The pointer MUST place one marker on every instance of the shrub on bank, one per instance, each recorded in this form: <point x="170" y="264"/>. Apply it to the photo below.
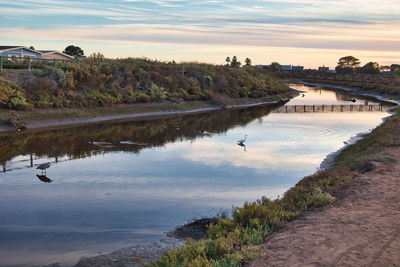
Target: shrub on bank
<point x="232" y="241"/>
<point x="11" y="95"/>
<point x="103" y="82"/>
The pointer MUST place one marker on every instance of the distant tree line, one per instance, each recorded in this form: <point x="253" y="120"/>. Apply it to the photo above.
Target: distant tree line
<point x="350" y="64"/>
<point x="234" y="63"/>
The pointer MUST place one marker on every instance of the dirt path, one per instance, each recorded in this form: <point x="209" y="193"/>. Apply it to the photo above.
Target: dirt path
<point x="362" y="228"/>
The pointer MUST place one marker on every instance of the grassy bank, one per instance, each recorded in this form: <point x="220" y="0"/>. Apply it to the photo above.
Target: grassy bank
<point x="98" y="87"/>
<point x="232" y="242"/>
<point x="99" y="82"/>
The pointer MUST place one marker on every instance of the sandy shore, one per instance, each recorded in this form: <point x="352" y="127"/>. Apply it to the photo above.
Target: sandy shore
<point x="361" y="228"/>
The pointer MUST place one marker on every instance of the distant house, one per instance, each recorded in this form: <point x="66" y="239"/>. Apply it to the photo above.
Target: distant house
<point x="19" y="52"/>
<point x="297" y="68"/>
<point x="286" y="67"/>
<point x="263" y="66"/>
<point x="323" y="69"/>
<point x="54" y="54"/>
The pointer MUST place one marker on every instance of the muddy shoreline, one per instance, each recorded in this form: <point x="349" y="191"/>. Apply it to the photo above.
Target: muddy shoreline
<point x="139" y="254"/>
<point x="129" y="116"/>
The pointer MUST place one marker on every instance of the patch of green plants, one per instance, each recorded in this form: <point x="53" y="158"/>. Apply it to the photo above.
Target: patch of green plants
<point x="101" y="82"/>
<point x="230" y="242"/>
<point x="11" y="95"/>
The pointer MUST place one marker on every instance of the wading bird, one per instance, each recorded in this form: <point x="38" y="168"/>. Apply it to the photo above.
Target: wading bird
<point x="242" y="140"/>
<point x="44" y="166"/>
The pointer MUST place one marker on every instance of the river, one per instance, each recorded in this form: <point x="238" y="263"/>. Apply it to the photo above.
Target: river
<point x="115" y="184"/>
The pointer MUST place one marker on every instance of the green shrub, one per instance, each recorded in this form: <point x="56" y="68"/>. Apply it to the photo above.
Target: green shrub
<point x="319" y="198"/>
<point x="11" y="96"/>
<point x="160" y="81"/>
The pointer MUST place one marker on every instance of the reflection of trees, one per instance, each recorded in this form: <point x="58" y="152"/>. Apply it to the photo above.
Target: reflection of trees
<point x="344" y="95"/>
<point x="74" y="143"/>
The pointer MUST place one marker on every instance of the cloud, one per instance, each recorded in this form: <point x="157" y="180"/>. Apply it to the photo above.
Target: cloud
<point x="340" y="25"/>
<point x="367" y="37"/>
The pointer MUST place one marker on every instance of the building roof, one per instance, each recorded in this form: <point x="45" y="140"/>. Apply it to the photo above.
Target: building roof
<point x="5" y="47"/>
<point x="44" y="52"/>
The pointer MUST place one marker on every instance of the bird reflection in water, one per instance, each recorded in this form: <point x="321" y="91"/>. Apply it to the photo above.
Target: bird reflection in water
<point x="242" y="145"/>
<point x="44" y="178"/>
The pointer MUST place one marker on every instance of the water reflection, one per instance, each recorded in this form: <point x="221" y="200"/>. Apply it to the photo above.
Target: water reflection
<point x="44" y="178"/>
<point x="242" y="145"/>
<point x="114" y="184"/>
<point x="97" y="139"/>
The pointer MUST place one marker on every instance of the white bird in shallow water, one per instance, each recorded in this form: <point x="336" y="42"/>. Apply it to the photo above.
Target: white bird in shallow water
<point x="242" y="140"/>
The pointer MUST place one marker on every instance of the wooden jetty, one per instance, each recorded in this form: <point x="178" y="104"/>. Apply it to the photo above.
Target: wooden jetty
<point x="330" y="108"/>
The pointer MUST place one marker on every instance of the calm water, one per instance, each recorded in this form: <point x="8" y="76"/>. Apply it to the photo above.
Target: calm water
<point x="105" y="196"/>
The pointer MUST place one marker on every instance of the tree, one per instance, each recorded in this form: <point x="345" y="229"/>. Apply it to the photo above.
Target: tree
<point x="235" y="63"/>
<point x="347" y="64"/>
<point x="74" y="51"/>
<point x="31" y="47"/>
<point x="248" y="61"/>
<point x="275" y="66"/>
<point x="395" y="67"/>
<point x="97" y="56"/>
<point x="385" y="68"/>
<point x="228" y="61"/>
<point x="370" y="68"/>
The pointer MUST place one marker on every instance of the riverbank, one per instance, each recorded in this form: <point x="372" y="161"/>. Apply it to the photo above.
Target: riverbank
<point x="46" y="118"/>
<point x="329" y="161"/>
<point x="374" y="94"/>
<point x="361" y="228"/>
<point x="233" y="242"/>
<point x="141" y="254"/>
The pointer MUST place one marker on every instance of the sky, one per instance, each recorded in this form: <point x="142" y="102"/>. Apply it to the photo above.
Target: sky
<point x="311" y="33"/>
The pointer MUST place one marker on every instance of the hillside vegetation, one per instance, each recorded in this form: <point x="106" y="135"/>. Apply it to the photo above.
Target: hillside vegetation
<point x="94" y="82"/>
